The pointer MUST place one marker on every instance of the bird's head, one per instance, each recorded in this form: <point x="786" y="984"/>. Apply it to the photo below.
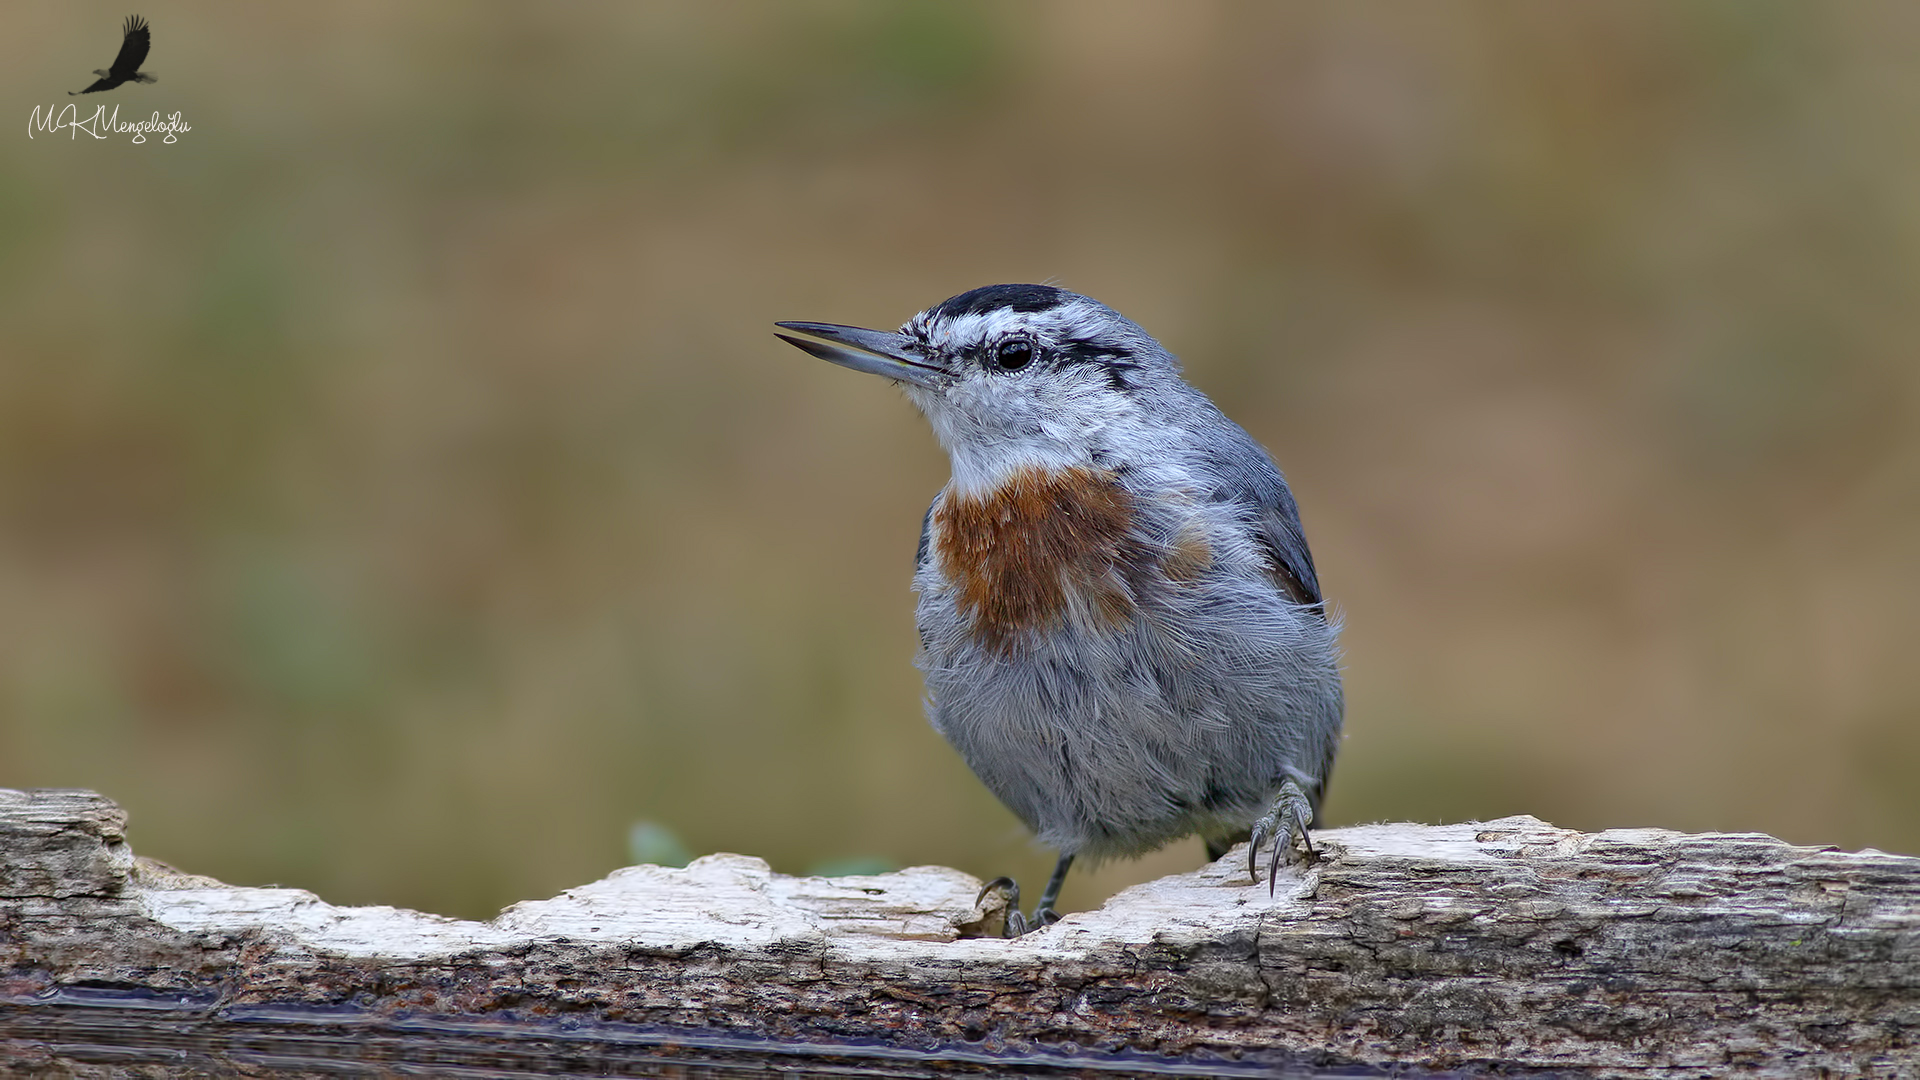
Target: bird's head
<point x="1013" y="377"/>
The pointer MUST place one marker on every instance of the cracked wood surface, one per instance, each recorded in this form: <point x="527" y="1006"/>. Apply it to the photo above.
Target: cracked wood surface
<point x="1508" y="945"/>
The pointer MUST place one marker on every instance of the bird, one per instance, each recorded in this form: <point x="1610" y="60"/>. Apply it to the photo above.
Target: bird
<point x="126" y="66"/>
<point x="1120" y="625"/>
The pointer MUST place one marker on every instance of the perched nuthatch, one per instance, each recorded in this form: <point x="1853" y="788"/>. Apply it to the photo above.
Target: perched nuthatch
<point x="1120" y="625"/>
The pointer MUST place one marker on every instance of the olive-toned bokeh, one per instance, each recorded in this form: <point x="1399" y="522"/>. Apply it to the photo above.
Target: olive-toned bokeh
<point x="402" y="493"/>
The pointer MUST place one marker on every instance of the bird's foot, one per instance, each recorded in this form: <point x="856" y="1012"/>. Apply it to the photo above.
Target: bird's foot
<point x="1019" y="925"/>
<point x="1284" y="824"/>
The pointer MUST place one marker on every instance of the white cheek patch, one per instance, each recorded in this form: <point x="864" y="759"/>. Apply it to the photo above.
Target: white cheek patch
<point x="996" y="424"/>
<point x="993" y="431"/>
<point x="994" y="427"/>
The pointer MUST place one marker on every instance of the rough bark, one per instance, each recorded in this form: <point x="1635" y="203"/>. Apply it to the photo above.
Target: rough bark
<point x="1509" y="945"/>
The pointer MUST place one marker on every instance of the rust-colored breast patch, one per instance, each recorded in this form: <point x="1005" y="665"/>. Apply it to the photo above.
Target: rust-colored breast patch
<point x="1020" y="554"/>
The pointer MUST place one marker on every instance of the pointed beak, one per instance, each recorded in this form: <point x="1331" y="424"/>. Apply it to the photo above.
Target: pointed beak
<point x="876" y="352"/>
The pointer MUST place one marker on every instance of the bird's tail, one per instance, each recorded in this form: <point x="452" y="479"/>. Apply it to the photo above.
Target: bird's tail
<point x="141" y="76"/>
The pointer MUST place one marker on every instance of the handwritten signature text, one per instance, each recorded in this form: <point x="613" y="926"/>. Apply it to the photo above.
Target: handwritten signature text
<point x="100" y="125"/>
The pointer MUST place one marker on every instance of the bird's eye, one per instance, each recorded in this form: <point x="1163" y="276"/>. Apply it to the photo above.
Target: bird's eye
<point x="1013" y="355"/>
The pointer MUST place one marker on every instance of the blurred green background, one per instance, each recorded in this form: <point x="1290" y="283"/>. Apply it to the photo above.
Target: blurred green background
<point x="402" y="493"/>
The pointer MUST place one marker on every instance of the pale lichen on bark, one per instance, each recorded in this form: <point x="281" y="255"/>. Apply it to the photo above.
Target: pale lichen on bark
<point x="1508" y="944"/>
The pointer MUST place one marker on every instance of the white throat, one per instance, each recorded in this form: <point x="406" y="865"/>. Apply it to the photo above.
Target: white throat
<point x="979" y="469"/>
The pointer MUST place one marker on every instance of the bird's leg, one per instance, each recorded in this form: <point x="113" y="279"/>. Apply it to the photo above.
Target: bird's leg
<point x="1044" y="915"/>
<point x="1019" y="925"/>
<point x="1291" y="814"/>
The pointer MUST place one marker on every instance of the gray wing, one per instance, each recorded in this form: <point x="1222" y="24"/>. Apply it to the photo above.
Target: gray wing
<point x="1243" y="474"/>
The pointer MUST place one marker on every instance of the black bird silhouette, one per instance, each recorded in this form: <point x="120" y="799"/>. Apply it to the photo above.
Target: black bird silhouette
<point x="126" y="66"/>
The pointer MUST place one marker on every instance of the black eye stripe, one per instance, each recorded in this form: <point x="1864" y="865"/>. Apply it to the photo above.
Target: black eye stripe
<point x="1087" y="352"/>
<point x="1115" y="361"/>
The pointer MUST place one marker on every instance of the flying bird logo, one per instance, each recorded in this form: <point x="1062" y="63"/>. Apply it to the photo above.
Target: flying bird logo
<point x="126" y="66"/>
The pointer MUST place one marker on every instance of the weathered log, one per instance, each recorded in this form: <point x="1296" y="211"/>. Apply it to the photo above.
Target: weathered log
<point x="1507" y="945"/>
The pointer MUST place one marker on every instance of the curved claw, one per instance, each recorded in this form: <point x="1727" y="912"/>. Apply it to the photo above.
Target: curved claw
<point x="1281" y="838"/>
<point x="1016" y="922"/>
<point x="1007" y="883"/>
<point x="1043" y="913"/>
<point x="1290" y="817"/>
